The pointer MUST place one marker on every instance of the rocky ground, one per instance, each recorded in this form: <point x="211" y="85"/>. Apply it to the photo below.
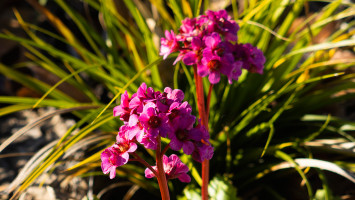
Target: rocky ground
<point x="17" y="154"/>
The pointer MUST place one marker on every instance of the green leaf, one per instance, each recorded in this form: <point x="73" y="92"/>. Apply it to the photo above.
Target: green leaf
<point x="221" y="188"/>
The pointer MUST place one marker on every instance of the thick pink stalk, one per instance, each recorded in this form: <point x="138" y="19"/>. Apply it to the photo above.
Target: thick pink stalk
<point x="163" y="184"/>
<point x="204" y="118"/>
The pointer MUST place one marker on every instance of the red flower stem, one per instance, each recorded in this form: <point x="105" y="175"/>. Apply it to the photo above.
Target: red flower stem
<point x="200" y="97"/>
<point x="163" y="184"/>
<point x="139" y="159"/>
<point x="204" y="118"/>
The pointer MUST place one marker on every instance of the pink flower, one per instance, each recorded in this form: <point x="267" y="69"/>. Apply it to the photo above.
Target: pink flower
<point x="182" y="137"/>
<point x="123" y="110"/>
<point x="118" y="154"/>
<point x="178" y="109"/>
<point x="188" y="26"/>
<point x="256" y="59"/>
<point x="168" y="44"/>
<point x="220" y="22"/>
<point x="213" y="66"/>
<point x="235" y="72"/>
<point x="110" y="160"/>
<point x="154" y="123"/>
<point x="173" y="168"/>
<point x="203" y="149"/>
<point x="194" y="57"/>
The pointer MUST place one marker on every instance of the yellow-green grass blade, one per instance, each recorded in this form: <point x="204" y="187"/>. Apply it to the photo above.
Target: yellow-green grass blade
<point x="276" y="116"/>
<point x="60" y="82"/>
<point x="88" y="117"/>
<point x="289" y="159"/>
<point x="322" y="128"/>
<point x="176" y="8"/>
<point x="76" y="62"/>
<point x="255" y="111"/>
<point x="60" y="151"/>
<point x="159" y="4"/>
<point x="255" y="10"/>
<point x="93" y="158"/>
<point x="32" y="83"/>
<point x="59" y="25"/>
<point x="13" y="108"/>
<point x="126" y="86"/>
<point x="46" y="102"/>
<point x="83" y="27"/>
<point x="151" y="51"/>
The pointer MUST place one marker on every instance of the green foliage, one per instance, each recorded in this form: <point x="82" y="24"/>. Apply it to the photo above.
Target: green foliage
<point x="219" y="188"/>
<point x="257" y="125"/>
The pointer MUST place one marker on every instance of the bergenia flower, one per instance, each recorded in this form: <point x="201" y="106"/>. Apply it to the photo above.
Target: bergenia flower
<point x="194" y="56"/>
<point x="153" y="122"/>
<point x="178" y="109"/>
<point x="212" y="66"/>
<point x="182" y="137"/>
<point x="110" y="159"/>
<point x="255" y="60"/>
<point x="123" y="110"/>
<point x="203" y="149"/>
<point x="173" y="168"/>
<point x="169" y="44"/>
<point x="118" y="154"/>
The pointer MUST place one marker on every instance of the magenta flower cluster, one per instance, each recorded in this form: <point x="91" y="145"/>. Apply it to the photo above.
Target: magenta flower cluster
<point x="148" y="115"/>
<point x="210" y="42"/>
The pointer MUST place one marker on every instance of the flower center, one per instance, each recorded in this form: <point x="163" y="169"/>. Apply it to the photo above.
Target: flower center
<point x="214" y="65"/>
<point x="181" y="135"/>
<point x="154" y="121"/>
<point x="123" y="147"/>
<point x="219" y="51"/>
<point x="174" y="113"/>
<point x="163" y="101"/>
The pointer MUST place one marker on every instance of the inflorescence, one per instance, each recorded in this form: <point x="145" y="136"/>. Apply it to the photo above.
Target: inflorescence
<point x="148" y="115"/>
<point x="210" y="42"/>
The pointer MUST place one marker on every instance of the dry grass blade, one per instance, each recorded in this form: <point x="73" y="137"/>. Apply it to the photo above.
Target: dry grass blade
<point x="85" y="142"/>
<point x="267" y="29"/>
<point x="339" y="146"/>
<point x="16" y="154"/>
<point x="39" y="121"/>
<point x="30" y="165"/>
<point x="131" y="192"/>
<point x="113" y="186"/>
<point x="315" y="163"/>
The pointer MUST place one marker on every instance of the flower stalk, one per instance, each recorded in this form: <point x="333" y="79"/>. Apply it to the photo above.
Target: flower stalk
<point x="163" y="184"/>
<point x="204" y="118"/>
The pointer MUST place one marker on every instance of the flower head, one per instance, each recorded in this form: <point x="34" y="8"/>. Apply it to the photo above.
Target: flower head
<point x="210" y="42"/>
<point x="148" y="115"/>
